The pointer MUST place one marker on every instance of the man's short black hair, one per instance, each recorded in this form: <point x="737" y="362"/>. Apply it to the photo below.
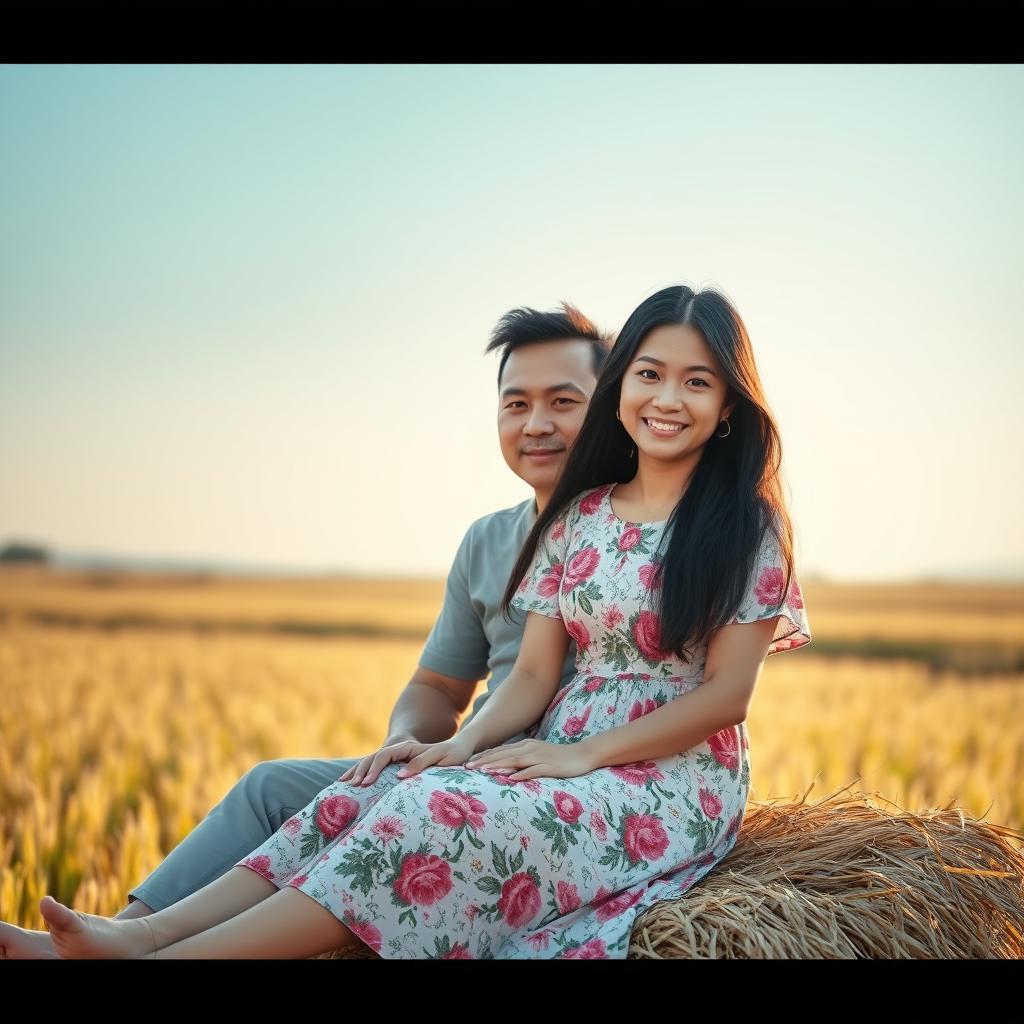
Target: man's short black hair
<point x="525" y="326"/>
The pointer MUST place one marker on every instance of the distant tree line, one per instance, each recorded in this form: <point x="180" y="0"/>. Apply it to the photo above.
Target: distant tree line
<point x="18" y="552"/>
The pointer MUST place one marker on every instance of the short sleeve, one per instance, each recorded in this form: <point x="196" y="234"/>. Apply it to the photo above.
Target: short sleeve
<point x="457" y="645"/>
<point x="539" y="589"/>
<point x="764" y="600"/>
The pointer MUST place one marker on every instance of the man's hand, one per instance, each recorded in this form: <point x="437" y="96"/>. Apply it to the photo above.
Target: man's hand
<point x="534" y="759"/>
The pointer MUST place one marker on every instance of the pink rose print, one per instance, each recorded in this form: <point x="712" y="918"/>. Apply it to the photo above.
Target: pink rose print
<point x="639" y="772"/>
<point x="566" y="896"/>
<point x="458" y="952"/>
<point x="520" y="899"/>
<point x="261" y="865"/>
<point x="592" y="502"/>
<point x="611" y="617"/>
<point x="608" y="905"/>
<point x="579" y="633"/>
<point x="629" y="538"/>
<point x="638" y="710"/>
<point x="595" y="949"/>
<point x="710" y="803"/>
<point x="593" y="684"/>
<point x="540" y="940"/>
<point x="524" y="842"/>
<point x="647" y="634"/>
<point x="646" y="838"/>
<point x="424" y="879"/>
<point x="796" y="598"/>
<point x="646" y="574"/>
<point x="581" y="567"/>
<point x="292" y="826"/>
<point x="559" y="529"/>
<point x="598" y="826"/>
<point x="724" y="748"/>
<point x="388" y="828"/>
<point x="366" y="931"/>
<point x="298" y="880"/>
<point x="577" y="723"/>
<point x="472" y="910"/>
<point x="334" y="815"/>
<point x="551" y="581"/>
<point x="567" y="807"/>
<point x="769" y="586"/>
<point x="455" y="808"/>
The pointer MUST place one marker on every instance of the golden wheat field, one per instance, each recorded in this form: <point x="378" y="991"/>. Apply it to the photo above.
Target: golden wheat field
<point x="130" y="705"/>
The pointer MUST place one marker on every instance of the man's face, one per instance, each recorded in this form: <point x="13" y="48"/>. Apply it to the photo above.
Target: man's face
<point x="542" y="399"/>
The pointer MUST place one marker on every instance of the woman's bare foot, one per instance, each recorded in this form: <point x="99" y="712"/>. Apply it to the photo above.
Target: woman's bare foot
<point x="78" y="936"/>
<point x="25" y="944"/>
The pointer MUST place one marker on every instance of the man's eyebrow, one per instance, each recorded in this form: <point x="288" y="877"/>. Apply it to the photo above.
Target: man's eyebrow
<point x="686" y="369"/>
<point x="567" y="386"/>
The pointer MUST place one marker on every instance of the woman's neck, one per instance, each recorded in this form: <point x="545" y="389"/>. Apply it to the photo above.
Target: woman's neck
<point x="657" y="487"/>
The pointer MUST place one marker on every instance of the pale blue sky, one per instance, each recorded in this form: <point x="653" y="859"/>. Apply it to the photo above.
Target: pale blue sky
<point x="243" y="308"/>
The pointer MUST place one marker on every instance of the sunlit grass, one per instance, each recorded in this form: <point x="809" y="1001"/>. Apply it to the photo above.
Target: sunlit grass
<point x="115" y="743"/>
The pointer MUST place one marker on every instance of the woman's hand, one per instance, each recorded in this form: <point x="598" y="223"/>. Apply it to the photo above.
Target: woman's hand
<point x="367" y="770"/>
<point x="534" y="759"/>
<point x="449" y="752"/>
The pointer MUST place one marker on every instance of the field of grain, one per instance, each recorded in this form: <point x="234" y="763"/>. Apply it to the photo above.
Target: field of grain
<point x="129" y="706"/>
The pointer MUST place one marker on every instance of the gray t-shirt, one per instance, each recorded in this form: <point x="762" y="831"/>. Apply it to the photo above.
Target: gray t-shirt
<point x="471" y="636"/>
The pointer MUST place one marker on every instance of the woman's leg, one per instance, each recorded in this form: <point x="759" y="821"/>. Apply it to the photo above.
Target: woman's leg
<point x="240" y="916"/>
<point x="86" y="936"/>
<point x="288" y="926"/>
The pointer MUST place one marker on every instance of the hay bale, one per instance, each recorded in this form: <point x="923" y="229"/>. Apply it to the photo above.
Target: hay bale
<point x="843" y="879"/>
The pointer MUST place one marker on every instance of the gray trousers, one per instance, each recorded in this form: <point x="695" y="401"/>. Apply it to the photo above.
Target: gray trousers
<point x="258" y="804"/>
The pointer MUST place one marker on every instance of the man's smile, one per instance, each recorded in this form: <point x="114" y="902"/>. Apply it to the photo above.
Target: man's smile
<point x="542" y="454"/>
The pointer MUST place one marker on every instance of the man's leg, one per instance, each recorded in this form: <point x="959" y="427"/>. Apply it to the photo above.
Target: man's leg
<point x="253" y="810"/>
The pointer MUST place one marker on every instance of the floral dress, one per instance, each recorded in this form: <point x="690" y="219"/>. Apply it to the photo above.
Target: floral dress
<point x="453" y="863"/>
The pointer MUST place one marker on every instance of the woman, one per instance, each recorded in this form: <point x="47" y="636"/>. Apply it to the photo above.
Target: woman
<point x="666" y="554"/>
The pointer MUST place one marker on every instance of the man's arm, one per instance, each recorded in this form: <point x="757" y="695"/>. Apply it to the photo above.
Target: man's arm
<point x="427" y="711"/>
<point x="429" y="708"/>
<point x="454" y="659"/>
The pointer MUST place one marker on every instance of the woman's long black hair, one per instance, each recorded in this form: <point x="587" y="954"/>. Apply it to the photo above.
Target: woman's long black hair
<point x="734" y="495"/>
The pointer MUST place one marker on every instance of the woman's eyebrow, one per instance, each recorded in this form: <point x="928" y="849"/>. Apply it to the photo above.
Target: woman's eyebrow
<point x="686" y="369"/>
<point x="567" y="386"/>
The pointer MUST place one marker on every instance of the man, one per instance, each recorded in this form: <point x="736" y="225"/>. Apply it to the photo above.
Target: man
<point x="548" y="370"/>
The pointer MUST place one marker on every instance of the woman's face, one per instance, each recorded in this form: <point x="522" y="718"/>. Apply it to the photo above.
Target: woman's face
<point x="673" y="382"/>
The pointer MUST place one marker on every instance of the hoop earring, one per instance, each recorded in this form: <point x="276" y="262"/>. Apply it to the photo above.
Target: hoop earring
<point x="632" y="449"/>
<point x="728" y="432"/>
<point x="617" y="416"/>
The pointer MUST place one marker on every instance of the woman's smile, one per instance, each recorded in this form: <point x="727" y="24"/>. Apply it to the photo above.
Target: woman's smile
<point x="663" y="428"/>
